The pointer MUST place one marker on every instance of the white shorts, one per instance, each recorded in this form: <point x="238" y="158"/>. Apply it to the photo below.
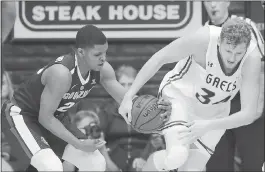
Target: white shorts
<point x="184" y="110"/>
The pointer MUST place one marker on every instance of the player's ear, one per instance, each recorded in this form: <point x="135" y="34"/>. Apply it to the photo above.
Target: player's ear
<point x="80" y="52"/>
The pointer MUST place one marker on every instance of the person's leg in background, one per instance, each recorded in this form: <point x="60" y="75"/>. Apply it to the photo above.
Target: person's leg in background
<point x="223" y="157"/>
<point x="250" y="144"/>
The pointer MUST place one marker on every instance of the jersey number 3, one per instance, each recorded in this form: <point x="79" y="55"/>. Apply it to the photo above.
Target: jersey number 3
<point x="206" y="99"/>
<point x="66" y="106"/>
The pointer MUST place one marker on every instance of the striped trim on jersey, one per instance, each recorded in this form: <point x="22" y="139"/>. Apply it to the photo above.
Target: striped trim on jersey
<point x="201" y="145"/>
<point x="173" y="123"/>
<point x="22" y="132"/>
<point x="179" y="75"/>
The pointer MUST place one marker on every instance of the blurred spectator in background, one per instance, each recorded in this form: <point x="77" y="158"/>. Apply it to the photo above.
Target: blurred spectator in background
<point x="123" y="142"/>
<point x="248" y="140"/>
<point x="8" y="16"/>
<point x="8" y="13"/>
<point x="156" y="143"/>
<point x="99" y="160"/>
<point x="7" y="87"/>
<point x="6" y="94"/>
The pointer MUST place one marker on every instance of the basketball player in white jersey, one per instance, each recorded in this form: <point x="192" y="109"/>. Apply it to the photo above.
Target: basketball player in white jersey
<point x="213" y="65"/>
<point x="248" y="140"/>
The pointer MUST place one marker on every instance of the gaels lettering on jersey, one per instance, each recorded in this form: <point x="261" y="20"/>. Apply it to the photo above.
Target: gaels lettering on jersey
<point x="222" y="84"/>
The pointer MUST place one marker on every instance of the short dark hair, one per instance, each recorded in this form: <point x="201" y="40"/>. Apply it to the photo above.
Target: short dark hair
<point x="89" y="35"/>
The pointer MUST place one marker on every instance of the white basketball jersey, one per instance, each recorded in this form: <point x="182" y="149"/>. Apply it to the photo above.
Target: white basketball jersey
<point x="207" y="89"/>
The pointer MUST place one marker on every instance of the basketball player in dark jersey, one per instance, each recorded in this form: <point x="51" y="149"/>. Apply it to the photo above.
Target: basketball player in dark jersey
<point x="37" y="104"/>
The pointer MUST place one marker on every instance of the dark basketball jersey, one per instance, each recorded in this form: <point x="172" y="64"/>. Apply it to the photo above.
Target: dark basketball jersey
<point x="28" y="95"/>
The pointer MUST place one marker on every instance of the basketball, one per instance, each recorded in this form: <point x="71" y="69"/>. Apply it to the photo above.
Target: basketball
<point x="145" y="114"/>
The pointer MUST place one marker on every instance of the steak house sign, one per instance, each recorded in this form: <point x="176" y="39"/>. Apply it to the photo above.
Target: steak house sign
<point x="117" y="19"/>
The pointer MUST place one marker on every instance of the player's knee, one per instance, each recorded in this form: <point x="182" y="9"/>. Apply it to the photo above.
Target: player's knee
<point x="157" y="159"/>
<point x="46" y="160"/>
<point x="176" y="156"/>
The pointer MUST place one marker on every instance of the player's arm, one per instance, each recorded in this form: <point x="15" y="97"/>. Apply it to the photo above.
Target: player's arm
<point x="174" y="52"/>
<point x="57" y="80"/>
<point x="249" y="96"/>
<point x="109" y="82"/>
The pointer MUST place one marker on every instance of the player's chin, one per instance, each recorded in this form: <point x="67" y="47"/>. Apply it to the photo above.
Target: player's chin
<point x="98" y="68"/>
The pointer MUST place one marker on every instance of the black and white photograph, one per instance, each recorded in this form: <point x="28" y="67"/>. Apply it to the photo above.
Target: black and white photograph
<point x="132" y="86"/>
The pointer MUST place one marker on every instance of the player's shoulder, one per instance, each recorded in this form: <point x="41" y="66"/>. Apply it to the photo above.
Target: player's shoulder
<point x="255" y="54"/>
<point x="106" y="70"/>
<point x="252" y="61"/>
<point x="62" y="65"/>
<point x="58" y="73"/>
<point x="203" y="34"/>
<point x="196" y="40"/>
<point x="106" y="66"/>
<point x="202" y="38"/>
<point x="67" y="60"/>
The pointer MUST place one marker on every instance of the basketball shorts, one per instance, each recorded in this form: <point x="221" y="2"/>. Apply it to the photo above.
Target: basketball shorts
<point x="27" y="130"/>
<point x="184" y="110"/>
<point x="31" y="135"/>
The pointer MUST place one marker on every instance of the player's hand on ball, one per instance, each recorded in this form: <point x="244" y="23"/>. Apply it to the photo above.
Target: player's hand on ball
<point x="197" y="128"/>
<point x="165" y="105"/>
<point x="126" y="108"/>
<point x="90" y="145"/>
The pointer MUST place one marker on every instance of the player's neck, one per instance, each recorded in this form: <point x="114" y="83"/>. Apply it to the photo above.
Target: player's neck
<point x="220" y="21"/>
<point x="82" y="66"/>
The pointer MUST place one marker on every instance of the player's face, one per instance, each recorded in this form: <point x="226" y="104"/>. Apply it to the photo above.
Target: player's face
<point x="126" y="81"/>
<point x="216" y="10"/>
<point x="5" y="90"/>
<point x="231" y="55"/>
<point x="95" y="57"/>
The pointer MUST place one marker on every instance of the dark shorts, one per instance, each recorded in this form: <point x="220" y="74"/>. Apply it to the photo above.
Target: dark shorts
<point x="27" y="130"/>
<point x="30" y="134"/>
<point x="249" y="142"/>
